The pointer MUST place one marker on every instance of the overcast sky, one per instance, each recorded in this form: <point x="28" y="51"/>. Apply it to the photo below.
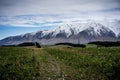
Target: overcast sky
<point x="37" y="13"/>
<point x="49" y="13"/>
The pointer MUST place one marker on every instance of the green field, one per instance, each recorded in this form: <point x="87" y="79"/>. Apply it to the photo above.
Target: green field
<point x="59" y="63"/>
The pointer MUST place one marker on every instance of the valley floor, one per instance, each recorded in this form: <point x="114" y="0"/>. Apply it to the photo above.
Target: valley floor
<point x="59" y="63"/>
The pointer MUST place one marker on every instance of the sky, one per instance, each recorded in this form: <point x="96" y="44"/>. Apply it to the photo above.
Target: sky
<point x="23" y="16"/>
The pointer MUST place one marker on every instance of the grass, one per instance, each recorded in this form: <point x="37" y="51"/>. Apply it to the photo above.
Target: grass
<point x="89" y="63"/>
<point x="18" y="63"/>
<point x="91" y="45"/>
<point x="53" y="63"/>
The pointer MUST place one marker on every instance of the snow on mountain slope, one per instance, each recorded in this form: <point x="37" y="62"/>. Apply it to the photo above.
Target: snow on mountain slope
<point x="97" y="29"/>
<point x="113" y="25"/>
<point x="75" y="28"/>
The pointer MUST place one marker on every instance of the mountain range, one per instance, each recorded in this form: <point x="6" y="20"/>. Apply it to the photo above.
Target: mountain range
<point x="72" y="32"/>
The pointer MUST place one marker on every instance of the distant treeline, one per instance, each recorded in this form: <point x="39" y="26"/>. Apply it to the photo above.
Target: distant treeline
<point x="25" y="44"/>
<point x="9" y="45"/>
<point x="73" y="45"/>
<point x="106" y="43"/>
<point x="30" y="44"/>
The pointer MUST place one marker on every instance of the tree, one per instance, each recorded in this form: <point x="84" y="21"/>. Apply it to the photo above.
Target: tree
<point x="37" y="45"/>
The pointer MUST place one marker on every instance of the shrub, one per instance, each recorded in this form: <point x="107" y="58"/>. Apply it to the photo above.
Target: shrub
<point x="26" y="44"/>
<point x="37" y="45"/>
<point x="73" y="45"/>
<point x="105" y="43"/>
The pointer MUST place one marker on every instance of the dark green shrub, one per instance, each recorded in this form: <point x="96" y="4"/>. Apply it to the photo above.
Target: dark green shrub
<point x="26" y="44"/>
<point x="37" y="45"/>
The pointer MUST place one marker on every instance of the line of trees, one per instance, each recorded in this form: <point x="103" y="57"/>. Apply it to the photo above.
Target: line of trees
<point x="106" y="43"/>
<point x="73" y="45"/>
<point x="30" y="44"/>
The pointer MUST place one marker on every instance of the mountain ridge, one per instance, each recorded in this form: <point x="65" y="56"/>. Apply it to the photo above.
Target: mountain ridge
<point x="78" y="33"/>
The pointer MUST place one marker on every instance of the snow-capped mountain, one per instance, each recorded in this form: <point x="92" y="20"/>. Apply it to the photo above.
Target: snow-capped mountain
<point x="82" y="32"/>
<point x="113" y="25"/>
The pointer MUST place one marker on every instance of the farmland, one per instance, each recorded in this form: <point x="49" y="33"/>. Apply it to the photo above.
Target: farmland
<point x="59" y="63"/>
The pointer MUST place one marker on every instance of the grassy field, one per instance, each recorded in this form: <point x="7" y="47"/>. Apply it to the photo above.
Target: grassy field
<point x="59" y="63"/>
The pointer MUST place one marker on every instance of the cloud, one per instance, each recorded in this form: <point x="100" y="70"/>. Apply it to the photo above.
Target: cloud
<point x="37" y="13"/>
<point x="26" y="7"/>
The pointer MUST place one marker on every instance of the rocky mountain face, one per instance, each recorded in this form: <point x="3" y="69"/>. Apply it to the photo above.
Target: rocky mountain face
<point x="78" y="33"/>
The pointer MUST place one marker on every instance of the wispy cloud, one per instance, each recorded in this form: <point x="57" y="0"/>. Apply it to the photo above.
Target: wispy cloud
<point x="39" y="13"/>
